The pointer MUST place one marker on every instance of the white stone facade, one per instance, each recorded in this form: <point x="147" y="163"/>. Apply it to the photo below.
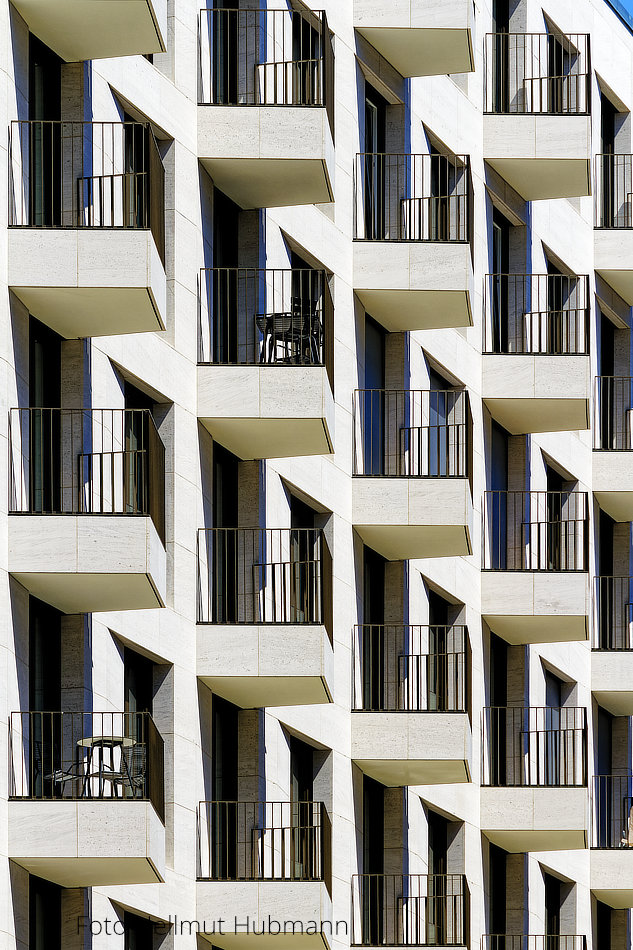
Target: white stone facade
<point x="129" y="317"/>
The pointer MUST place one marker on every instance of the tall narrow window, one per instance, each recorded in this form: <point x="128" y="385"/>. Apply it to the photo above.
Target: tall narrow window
<point x="224" y="554"/>
<point x="45" y="698"/>
<point x="45" y="399"/>
<point x="373" y="407"/>
<point x="373" y="631"/>
<point x="374" y="165"/>
<point x="373" y="861"/>
<point x="225" y="51"/>
<point x="303" y="567"/>
<point x="223" y="818"/>
<point x="45" y="155"/>
<point x="45" y="915"/>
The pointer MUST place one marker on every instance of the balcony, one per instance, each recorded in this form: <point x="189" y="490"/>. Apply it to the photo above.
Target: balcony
<point x="266" y="105"/>
<point x="97" y="30"/>
<point x="86" y="797"/>
<point x="251" y="856"/>
<point x="613" y="446"/>
<point x="536" y="346"/>
<point x="612" y="840"/>
<point x="413" y="265"/>
<point x="534" y="585"/>
<point x="613" y="236"/>
<point x="612" y="645"/>
<point x="87" y="225"/>
<point x="537" y="131"/>
<point x="534" y="778"/>
<point x="410" y="910"/>
<point x="87" y="508"/>
<point x="411" y="704"/>
<point x="533" y="942"/>
<point x="266" y="361"/>
<point x="420" y="38"/>
<point x="265" y="596"/>
<point x="412" y="461"/>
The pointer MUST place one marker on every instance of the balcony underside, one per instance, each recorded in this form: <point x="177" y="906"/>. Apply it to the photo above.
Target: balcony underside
<point x="536" y="607"/>
<point x="613" y="483"/>
<point x="535" y="819"/>
<point x="419" y="37"/>
<point x="268" y="156"/>
<point x="612" y="680"/>
<point x="540" y="156"/>
<point x="403" y="518"/>
<point x="305" y="901"/>
<point x="85" y="283"/>
<point x="403" y="748"/>
<point x="422" y="52"/>
<point x="88" y="563"/>
<point x="525" y="393"/>
<point x="612" y="877"/>
<point x="267" y="411"/>
<point x="279" y="664"/>
<point x="414" y="285"/>
<point x="613" y="248"/>
<point x="88" y="843"/>
<point x="97" y="29"/>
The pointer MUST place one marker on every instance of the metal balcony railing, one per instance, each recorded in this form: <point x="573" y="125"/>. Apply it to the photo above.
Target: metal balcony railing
<point x="612" y="811"/>
<point x="264" y="841"/>
<point x="401" y="667"/>
<point x="614" y="191"/>
<point x="263" y="317"/>
<point x="410" y="910"/>
<point x="535" y="531"/>
<point x="534" y="746"/>
<point x="612" y="627"/>
<point x="412" y="433"/>
<point x="537" y="314"/>
<point x="537" y="73"/>
<point x="266" y="57"/>
<point x="264" y="575"/>
<point x="86" y="175"/>
<point x="404" y="197"/>
<point x="533" y="942"/>
<point x="79" y="756"/>
<point x="613" y="414"/>
<point x="86" y="462"/>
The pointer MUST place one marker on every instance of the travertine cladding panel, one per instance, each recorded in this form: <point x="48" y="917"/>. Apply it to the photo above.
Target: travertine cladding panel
<point x="89" y="562"/>
<point x="266" y="156"/>
<point x="85" y="843"/>
<point x="84" y="282"/>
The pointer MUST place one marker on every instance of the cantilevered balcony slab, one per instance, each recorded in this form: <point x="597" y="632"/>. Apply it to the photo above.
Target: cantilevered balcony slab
<point x="613" y="483"/>
<point x="88" y="843"/>
<point x="422" y="285"/>
<point x="536" y="606"/>
<point x="257" y="665"/>
<point x="86" y="563"/>
<point x="402" y="748"/>
<point x="268" y="156"/>
<point x="539" y="393"/>
<point x="89" y="282"/>
<point x="535" y="819"/>
<point x="540" y="155"/>
<point x="612" y="680"/>
<point x="611" y="877"/>
<point x="419" y="37"/>
<point x="404" y="518"/>
<point x="97" y="29"/>
<point x="275" y="411"/>
<point x="613" y="259"/>
<point x="255" y="901"/>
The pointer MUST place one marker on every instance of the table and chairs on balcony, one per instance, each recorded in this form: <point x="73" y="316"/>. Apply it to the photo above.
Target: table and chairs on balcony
<point x="86" y="755"/>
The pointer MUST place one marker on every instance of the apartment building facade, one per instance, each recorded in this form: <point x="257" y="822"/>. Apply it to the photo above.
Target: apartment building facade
<point x="317" y="475"/>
